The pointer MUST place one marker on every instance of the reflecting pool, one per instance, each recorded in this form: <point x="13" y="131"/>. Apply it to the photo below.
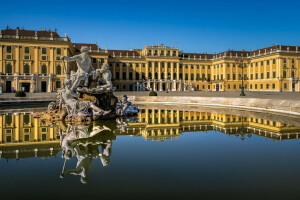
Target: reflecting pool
<point x="162" y="153"/>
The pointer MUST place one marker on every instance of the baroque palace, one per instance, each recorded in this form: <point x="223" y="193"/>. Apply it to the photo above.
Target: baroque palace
<point x="30" y="61"/>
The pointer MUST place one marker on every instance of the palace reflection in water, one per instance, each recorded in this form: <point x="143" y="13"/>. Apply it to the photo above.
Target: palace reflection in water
<point x="21" y="131"/>
<point x="23" y="136"/>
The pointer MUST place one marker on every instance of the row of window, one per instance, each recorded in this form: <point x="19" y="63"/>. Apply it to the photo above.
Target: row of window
<point x="162" y="53"/>
<point x="26" y="69"/>
<point x="155" y="64"/>
<point x="27" y="50"/>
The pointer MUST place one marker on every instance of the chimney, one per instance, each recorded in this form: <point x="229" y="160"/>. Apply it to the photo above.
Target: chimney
<point x="49" y="30"/>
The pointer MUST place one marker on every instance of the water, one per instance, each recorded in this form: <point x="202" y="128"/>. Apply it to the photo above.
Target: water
<point x="165" y="153"/>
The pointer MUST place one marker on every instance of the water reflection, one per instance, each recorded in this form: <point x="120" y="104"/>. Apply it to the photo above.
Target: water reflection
<point x="82" y="141"/>
<point x="22" y="136"/>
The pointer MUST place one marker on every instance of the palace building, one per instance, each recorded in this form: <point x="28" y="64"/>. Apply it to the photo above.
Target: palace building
<point x="30" y="61"/>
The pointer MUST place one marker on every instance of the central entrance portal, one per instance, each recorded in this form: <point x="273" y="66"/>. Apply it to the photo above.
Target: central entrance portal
<point x="25" y="87"/>
<point x="44" y="86"/>
<point x="8" y="86"/>
<point x="217" y="86"/>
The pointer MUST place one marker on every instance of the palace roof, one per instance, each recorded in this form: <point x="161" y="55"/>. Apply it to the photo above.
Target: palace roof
<point x="22" y="32"/>
<point x="77" y="46"/>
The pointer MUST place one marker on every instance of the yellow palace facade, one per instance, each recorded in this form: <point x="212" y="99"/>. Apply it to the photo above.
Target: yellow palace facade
<point x="30" y="61"/>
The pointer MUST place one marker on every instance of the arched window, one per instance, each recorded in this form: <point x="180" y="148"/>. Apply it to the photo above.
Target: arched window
<point x="293" y="74"/>
<point x="284" y="74"/>
<point x="198" y="77"/>
<point x="180" y="76"/>
<point x="58" y="69"/>
<point x="26" y="69"/>
<point x="130" y="75"/>
<point x="137" y="76"/>
<point x="192" y="76"/>
<point x="150" y="75"/>
<point x="169" y="76"/>
<point x="44" y="69"/>
<point x="186" y="76"/>
<point x="8" y="69"/>
<point x="143" y="76"/>
<point x="156" y="75"/>
<point x="174" y="76"/>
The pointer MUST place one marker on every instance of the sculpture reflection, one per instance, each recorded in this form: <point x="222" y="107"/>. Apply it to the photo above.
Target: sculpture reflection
<point x="82" y="141"/>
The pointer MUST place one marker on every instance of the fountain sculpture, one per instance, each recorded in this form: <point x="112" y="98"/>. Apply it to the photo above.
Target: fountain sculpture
<point x="87" y="94"/>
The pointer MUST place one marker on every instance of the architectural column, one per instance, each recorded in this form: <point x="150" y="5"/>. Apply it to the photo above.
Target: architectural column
<point x="160" y="85"/>
<point x="177" y="73"/>
<point x="114" y="69"/>
<point x="172" y="116"/>
<point x="51" y="133"/>
<point x="51" y="67"/>
<point x="127" y="72"/>
<point x="32" y="83"/>
<point x="189" y="73"/>
<point x="50" y="83"/>
<point x="153" y="116"/>
<point x="65" y="53"/>
<point x="17" y="127"/>
<point x="172" y="70"/>
<point x="159" y="116"/>
<point x="16" y="82"/>
<point x="36" y="129"/>
<point x="1" y="60"/>
<point x="180" y="85"/>
<point x="159" y="71"/>
<point x="36" y="60"/>
<point x="178" y="116"/>
<point x="154" y="85"/>
<point x="153" y="70"/>
<point x="17" y="66"/>
<point x="174" y="85"/>
<point x="121" y="71"/>
<point x="147" y="70"/>
<point x="166" y="71"/>
<point x="148" y="84"/>
<point x="134" y="71"/>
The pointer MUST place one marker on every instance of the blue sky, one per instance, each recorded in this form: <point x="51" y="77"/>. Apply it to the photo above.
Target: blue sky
<point x="195" y="26"/>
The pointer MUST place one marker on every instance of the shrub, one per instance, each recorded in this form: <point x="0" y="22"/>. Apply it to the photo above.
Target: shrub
<point x="152" y="93"/>
<point x="20" y="94"/>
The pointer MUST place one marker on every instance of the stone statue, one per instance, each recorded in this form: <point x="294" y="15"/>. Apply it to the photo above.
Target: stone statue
<point x="75" y="107"/>
<point x="124" y="107"/>
<point x="105" y="79"/>
<point x="87" y="94"/>
<point x="85" y="68"/>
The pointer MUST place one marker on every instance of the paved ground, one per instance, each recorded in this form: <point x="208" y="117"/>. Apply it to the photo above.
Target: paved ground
<point x="263" y="95"/>
<point x="231" y="94"/>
